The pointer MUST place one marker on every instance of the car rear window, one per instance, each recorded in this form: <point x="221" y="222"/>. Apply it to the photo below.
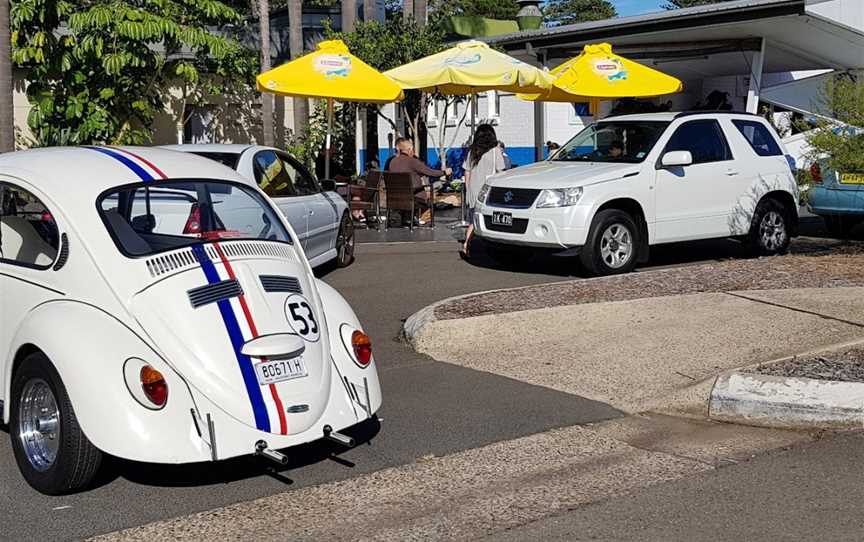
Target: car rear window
<point x="225" y="158"/>
<point x="147" y="218"/>
<point x="759" y="136"/>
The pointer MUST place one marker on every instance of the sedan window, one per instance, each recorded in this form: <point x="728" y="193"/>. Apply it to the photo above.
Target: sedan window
<point x="275" y="177"/>
<point x="304" y="183"/>
<point x="28" y="232"/>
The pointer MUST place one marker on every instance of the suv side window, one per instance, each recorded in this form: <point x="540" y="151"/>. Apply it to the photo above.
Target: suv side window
<point x="304" y="183"/>
<point x="759" y="137"/>
<point x="28" y="233"/>
<point x="275" y="177"/>
<point x="703" y="138"/>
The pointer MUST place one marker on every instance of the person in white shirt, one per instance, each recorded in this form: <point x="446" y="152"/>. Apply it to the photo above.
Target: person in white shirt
<point x="484" y="159"/>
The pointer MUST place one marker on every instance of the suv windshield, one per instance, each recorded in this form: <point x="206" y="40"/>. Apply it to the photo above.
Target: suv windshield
<point x="612" y="141"/>
<point x="148" y="218"/>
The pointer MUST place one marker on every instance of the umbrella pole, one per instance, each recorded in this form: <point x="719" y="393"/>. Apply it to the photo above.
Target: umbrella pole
<point x="327" y="140"/>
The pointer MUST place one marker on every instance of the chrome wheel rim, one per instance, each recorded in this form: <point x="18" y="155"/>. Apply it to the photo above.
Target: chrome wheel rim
<point x="616" y="246"/>
<point x="345" y="242"/>
<point x="772" y="230"/>
<point x="39" y="424"/>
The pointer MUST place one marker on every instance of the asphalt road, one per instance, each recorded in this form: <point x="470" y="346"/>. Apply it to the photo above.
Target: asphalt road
<point x="429" y="408"/>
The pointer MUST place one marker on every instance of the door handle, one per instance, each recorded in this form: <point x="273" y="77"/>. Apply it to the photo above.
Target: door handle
<point x="731" y="172"/>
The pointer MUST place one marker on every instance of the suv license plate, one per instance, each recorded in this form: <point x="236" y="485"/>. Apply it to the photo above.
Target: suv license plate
<point x="271" y="372"/>
<point x="502" y="219"/>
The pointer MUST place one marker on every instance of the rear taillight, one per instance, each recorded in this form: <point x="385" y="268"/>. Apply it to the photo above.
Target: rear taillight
<point x="362" y="346"/>
<point x="816" y="173"/>
<point x="154" y="386"/>
<point x="193" y="223"/>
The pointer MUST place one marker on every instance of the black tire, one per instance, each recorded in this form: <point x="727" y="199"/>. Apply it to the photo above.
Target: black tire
<point x="840" y="226"/>
<point x="345" y="242"/>
<point x="596" y="259"/>
<point x="77" y="461"/>
<point x="505" y="255"/>
<point x="770" y="229"/>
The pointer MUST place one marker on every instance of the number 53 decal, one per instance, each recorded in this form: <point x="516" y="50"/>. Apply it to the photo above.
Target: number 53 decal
<point x="301" y="318"/>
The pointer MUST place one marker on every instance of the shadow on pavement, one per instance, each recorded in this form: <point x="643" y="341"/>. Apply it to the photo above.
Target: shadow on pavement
<point x="232" y="470"/>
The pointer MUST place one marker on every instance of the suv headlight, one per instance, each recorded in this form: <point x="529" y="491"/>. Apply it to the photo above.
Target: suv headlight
<point x="484" y="190"/>
<point x="559" y="197"/>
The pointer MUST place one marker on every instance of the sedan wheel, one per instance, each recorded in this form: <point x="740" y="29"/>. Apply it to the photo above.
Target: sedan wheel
<point x="345" y="242"/>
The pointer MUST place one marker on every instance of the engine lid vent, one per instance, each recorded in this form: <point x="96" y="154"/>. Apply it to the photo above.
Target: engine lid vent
<point x="211" y="293"/>
<point x="278" y="283"/>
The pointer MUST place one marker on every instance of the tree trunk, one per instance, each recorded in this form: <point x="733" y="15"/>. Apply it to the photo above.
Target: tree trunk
<point x="349" y="14"/>
<point x="266" y="97"/>
<point x="7" y="117"/>
<point x="368" y="10"/>
<point x="407" y="9"/>
<point x="420" y="11"/>
<point x="295" y="42"/>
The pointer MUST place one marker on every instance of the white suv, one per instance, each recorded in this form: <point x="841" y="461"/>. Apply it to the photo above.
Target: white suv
<point x="626" y="183"/>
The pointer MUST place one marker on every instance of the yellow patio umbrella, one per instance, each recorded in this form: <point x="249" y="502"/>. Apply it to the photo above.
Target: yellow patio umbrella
<point x="333" y="73"/>
<point x="468" y="68"/>
<point x="599" y="74"/>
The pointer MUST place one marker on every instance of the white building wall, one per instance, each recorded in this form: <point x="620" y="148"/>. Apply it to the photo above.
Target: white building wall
<point x="846" y="12"/>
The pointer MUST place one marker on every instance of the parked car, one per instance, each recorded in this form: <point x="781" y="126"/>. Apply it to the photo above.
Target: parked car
<point x="158" y="308"/>
<point x="837" y="197"/>
<point x="319" y="215"/>
<point x="626" y="183"/>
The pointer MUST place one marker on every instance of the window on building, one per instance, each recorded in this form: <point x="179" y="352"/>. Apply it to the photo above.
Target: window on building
<point x="703" y="138"/>
<point x="759" y="137"/>
<point x="28" y="233"/>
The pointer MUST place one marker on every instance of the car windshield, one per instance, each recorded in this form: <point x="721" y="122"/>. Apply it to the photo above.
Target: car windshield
<point x="612" y="141"/>
<point x="148" y="218"/>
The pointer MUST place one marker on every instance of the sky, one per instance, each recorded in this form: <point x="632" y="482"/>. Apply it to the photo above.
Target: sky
<point x="637" y="7"/>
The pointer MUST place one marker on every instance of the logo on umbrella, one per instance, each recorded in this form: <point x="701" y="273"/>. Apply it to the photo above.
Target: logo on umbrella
<point x="461" y="61"/>
<point x="610" y="68"/>
<point x="333" y="65"/>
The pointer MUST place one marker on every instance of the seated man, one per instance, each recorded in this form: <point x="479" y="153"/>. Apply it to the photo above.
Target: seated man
<point x="407" y="162"/>
<point x="616" y="150"/>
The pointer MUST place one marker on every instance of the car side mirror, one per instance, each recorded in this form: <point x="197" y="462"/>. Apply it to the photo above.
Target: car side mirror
<point x="328" y="185"/>
<point x="676" y="159"/>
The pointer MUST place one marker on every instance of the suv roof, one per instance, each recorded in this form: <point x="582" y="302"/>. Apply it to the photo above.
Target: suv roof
<point x="672" y="115"/>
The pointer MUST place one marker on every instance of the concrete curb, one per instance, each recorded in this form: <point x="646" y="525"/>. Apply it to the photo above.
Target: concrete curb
<point x="414" y="325"/>
<point x="790" y="403"/>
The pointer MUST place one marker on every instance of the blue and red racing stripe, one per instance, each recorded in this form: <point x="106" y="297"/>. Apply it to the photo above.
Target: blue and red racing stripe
<point x="128" y="159"/>
<point x="259" y="408"/>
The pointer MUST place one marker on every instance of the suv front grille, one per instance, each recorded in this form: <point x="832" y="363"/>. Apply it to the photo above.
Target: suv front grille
<point x="516" y="198"/>
<point x="520" y="225"/>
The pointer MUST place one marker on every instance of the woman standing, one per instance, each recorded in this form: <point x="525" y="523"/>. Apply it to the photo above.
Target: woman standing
<point x="484" y="160"/>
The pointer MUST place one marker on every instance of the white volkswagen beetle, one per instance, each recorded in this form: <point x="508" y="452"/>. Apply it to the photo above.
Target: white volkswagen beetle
<point x="155" y="306"/>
